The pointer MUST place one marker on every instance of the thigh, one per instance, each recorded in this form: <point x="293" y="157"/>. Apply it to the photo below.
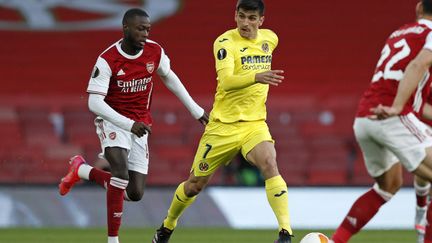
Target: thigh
<point x="253" y="134"/>
<point x="218" y="146"/>
<point x="117" y="158"/>
<point x="139" y="155"/>
<point x="407" y="138"/>
<point x="378" y="159"/>
<point x="112" y="136"/>
<point x="136" y="186"/>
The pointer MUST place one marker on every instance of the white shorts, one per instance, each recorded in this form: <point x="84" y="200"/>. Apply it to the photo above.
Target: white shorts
<point x="386" y="142"/>
<point x="111" y="135"/>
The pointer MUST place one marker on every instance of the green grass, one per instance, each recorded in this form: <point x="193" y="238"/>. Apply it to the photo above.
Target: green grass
<point x="184" y="235"/>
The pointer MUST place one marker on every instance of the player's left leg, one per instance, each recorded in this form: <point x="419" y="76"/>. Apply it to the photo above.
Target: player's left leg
<point x="422" y="188"/>
<point x="263" y="156"/>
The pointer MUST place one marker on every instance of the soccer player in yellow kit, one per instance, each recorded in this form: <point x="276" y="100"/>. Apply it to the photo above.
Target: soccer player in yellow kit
<point x="237" y="121"/>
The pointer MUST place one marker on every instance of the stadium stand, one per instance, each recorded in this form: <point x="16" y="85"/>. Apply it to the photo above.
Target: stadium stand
<point x="44" y="117"/>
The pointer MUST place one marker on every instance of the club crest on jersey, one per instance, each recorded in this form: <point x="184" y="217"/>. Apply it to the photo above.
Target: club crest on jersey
<point x="203" y="166"/>
<point x="265" y="47"/>
<point x="112" y="135"/>
<point x="95" y="72"/>
<point x="150" y="67"/>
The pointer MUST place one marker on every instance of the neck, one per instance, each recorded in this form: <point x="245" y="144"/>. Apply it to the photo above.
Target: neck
<point x="127" y="47"/>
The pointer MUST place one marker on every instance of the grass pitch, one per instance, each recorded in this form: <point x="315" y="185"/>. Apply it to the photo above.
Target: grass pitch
<point x="185" y="235"/>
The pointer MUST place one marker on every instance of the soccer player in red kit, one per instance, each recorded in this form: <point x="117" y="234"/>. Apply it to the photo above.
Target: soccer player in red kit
<point x="386" y="127"/>
<point x="120" y="93"/>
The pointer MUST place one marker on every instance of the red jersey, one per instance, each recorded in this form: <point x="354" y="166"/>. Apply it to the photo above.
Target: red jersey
<point x="401" y="47"/>
<point x="127" y="81"/>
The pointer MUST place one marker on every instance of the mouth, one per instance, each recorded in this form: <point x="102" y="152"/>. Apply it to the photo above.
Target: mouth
<point x="141" y="43"/>
<point x="244" y="29"/>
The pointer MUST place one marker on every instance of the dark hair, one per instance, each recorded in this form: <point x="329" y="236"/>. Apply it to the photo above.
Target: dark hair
<point x="251" y="5"/>
<point x="132" y="13"/>
<point x="427" y="6"/>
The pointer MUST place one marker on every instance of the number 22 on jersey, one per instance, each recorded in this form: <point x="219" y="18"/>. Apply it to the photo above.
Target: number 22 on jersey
<point x="386" y="71"/>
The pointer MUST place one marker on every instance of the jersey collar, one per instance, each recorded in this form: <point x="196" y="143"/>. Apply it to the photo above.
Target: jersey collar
<point x="118" y="46"/>
<point x="426" y="22"/>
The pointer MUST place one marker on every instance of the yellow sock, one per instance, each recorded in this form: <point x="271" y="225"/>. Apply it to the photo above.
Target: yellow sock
<point x="179" y="203"/>
<point x="277" y="195"/>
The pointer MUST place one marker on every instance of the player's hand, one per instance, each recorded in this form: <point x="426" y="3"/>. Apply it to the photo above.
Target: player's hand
<point x="382" y="112"/>
<point x="204" y="119"/>
<point x="272" y="77"/>
<point x="140" y="128"/>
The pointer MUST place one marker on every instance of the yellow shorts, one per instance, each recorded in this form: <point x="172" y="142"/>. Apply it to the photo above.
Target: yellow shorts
<point x="222" y="141"/>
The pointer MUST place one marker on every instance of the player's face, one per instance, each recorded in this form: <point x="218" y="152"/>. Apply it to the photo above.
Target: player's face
<point x="136" y="31"/>
<point x="248" y="23"/>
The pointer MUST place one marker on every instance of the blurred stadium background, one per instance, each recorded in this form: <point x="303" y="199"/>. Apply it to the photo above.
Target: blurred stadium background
<point x="328" y="50"/>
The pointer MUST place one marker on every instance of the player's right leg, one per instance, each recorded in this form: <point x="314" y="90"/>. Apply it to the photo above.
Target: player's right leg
<point x="215" y="148"/>
<point x="184" y="196"/>
<point x="117" y="157"/>
<point x="383" y="166"/>
<point x="368" y="204"/>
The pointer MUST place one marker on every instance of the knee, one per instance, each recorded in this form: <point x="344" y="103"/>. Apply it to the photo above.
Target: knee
<point x="193" y="189"/>
<point x="135" y="196"/>
<point x="392" y="186"/>
<point x="120" y="173"/>
<point x="268" y="166"/>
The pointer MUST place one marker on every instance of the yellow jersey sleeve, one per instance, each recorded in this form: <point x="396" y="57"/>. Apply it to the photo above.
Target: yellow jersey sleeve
<point x="223" y="49"/>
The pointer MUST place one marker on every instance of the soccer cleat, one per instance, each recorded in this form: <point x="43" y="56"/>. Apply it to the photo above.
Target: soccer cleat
<point x="420" y="222"/>
<point x="71" y="177"/>
<point x="162" y="235"/>
<point x="284" y="237"/>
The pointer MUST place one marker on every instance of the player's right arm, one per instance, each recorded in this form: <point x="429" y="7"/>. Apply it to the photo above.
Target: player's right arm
<point x="223" y="49"/>
<point x="414" y="72"/>
<point x="97" y="89"/>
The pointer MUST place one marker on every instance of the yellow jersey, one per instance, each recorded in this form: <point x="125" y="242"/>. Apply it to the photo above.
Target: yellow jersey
<point x="238" y="97"/>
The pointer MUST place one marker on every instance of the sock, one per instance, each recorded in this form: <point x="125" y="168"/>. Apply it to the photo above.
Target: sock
<point x="115" y="192"/>
<point x="361" y="212"/>
<point x="277" y="196"/>
<point x="422" y="193"/>
<point x="179" y="203"/>
<point x="113" y="239"/>
<point x="84" y="171"/>
<point x="428" y="234"/>
<point x="101" y="177"/>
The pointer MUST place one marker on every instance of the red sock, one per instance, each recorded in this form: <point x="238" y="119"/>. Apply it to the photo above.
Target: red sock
<point x="100" y="177"/>
<point x="115" y="192"/>
<point x="428" y="234"/>
<point x="360" y="213"/>
<point x="421" y="200"/>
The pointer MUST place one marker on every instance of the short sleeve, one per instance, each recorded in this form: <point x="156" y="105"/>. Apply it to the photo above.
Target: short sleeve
<point x="428" y="43"/>
<point x="100" y="77"/>
<point x="223" y="53"/>
<point x="164" y="64"/>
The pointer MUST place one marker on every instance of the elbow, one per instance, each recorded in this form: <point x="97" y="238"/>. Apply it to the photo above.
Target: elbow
<point x="224" y="84"/>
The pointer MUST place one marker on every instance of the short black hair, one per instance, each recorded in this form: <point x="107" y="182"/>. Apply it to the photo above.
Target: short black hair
<point x="132" y="13"/>
<point x="427" y="6"/>
<point x="251" y="5"/>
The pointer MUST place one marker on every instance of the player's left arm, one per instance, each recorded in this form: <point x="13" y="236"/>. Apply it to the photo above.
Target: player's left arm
<point x="173" y="83"/>
<point x="427" y="111"/>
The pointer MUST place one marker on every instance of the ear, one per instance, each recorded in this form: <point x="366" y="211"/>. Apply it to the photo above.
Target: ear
<point x="235" y="16"/>
<point x="261" y="21"/>
<point x="419" y="10"/>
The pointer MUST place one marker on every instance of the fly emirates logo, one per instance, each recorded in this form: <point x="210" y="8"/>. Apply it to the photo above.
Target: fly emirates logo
<point x="135" y="85"/>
